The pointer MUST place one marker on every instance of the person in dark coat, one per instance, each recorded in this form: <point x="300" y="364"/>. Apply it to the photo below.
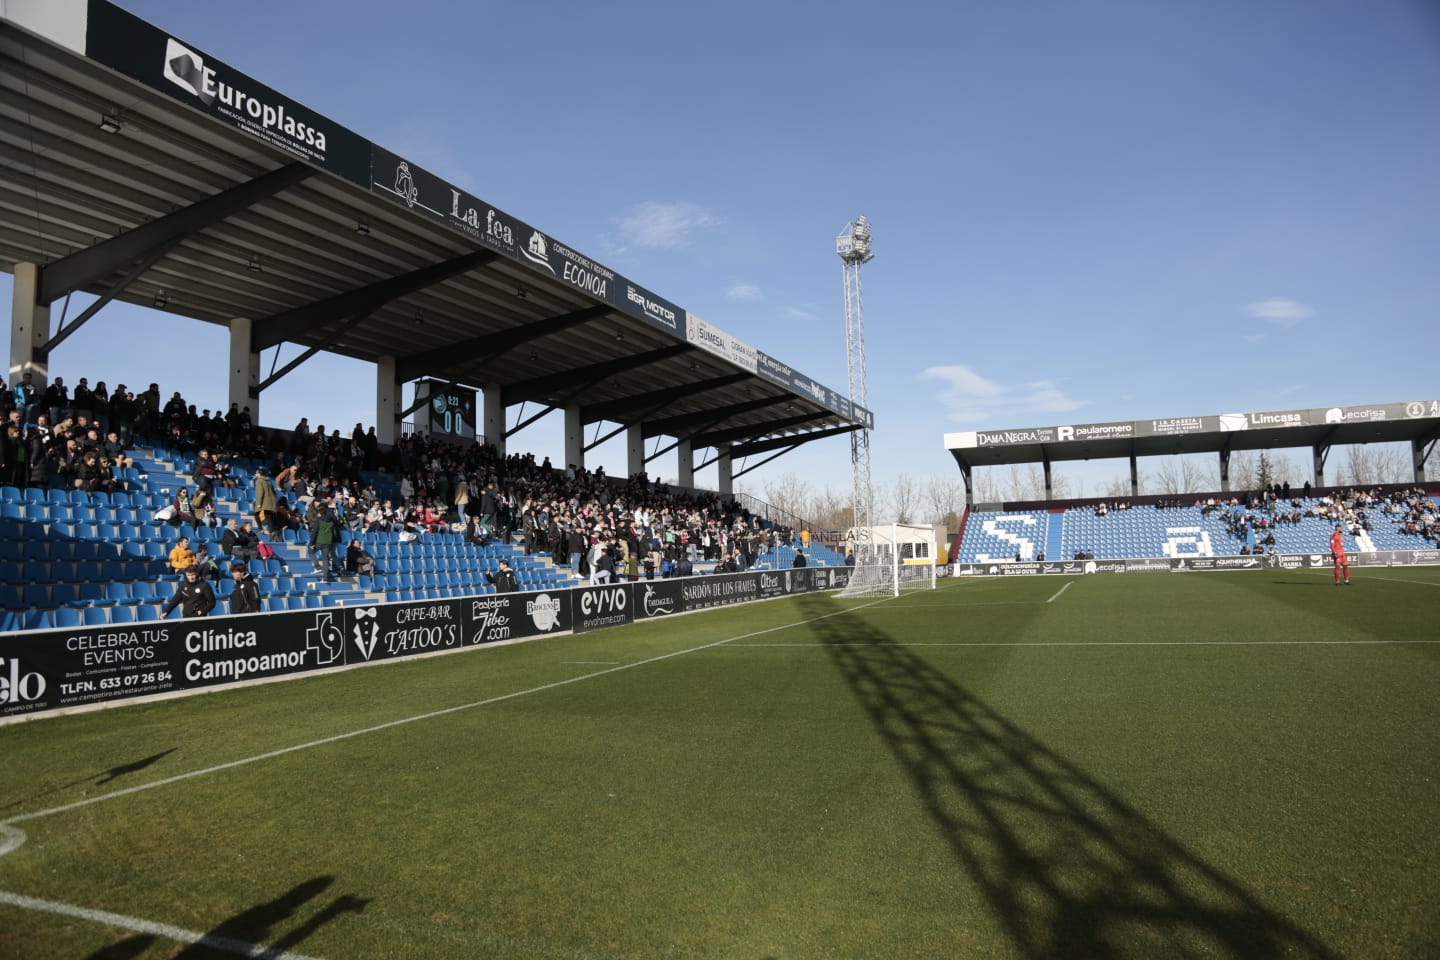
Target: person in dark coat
<point x="193" y="596"/>
<point x="504" y="578"/>
<point x="245" y="598"/>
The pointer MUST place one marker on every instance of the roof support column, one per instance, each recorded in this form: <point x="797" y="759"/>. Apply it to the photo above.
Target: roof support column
<point x="634" y="449"/>
<point x="29" y="328"/>
<point x="492" y="424"/>
<point x="244" y="368"/>
<point x="574" y="437"/>
<point x="387" y="401"/>
<point x="685" y="467"/>
<point x="1225" y="470"/>
<point x="725" y="483"/>
<point x="1320" y="452"/>
<point x="1134" y="476"/>
<point x="1418" y="455"/>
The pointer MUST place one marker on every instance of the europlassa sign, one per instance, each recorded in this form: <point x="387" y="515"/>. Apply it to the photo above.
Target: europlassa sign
<point x="123" y="42"/>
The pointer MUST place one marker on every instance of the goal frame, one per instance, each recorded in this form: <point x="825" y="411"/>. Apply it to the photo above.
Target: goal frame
<point x="883" y="564"/>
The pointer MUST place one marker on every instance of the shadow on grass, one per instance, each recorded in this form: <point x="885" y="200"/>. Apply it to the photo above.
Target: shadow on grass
<point x="99" y="779"/>
<point x="1068" y="869"/>
<point x="248" y="933"/>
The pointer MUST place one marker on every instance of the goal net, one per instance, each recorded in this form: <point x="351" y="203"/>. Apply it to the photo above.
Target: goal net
<point x="890" y="559"/>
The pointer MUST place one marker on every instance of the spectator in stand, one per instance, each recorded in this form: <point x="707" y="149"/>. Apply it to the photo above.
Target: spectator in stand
<point x="13" y="472"/>
<point x="27" y="397"/>
<point x="228" y="536"/>
<point x="503" y="579"/>
<point x="324" y="540"/>
<point x="799" y="559"/>
<point x="246" y="544"/>
<point x="357" y="560"/>
<point x="182" y="558"/>
<point x="56" y="400"/>
<point x="265" y="500"/>
<point x="192" y="595"/>
<point x="245" y="597"/>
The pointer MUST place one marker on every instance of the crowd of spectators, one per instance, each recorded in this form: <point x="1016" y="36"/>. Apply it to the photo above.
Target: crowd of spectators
<point x="580" y="517"/>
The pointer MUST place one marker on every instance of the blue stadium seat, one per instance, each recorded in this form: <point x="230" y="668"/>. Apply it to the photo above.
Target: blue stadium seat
<point x="11" y="510"/>
<point x="147" y="612"/>
<point x="33" y="495"/>
<point x="10" y="494"/>
<point x="65" y="617"/>
<point x="37" y="620"/>
<point x="122" y="614"/>
<point x="95" y="616"/>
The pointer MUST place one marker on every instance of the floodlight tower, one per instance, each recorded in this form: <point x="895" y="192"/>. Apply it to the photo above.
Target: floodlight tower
<point x="853" y="246"/>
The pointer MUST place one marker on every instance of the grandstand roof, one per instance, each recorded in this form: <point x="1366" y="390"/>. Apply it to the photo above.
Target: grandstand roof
<point x="1415" y="421"/>
<point x="142" y="169"/>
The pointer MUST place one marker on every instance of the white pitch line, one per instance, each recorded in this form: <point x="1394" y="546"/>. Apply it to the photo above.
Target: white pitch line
<point x="590" y="663"/>
<point x="21" y="818"/>
<point x="1067" y="586"/>
<point x="237" y="947"/>
<point x="1110" y="643"/>
<point x="11" y="838"/>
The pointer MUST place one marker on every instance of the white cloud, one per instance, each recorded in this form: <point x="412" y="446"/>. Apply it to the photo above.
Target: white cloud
<point x="968" y="397"/>
<point x="661" y="226"/>
<point x="745" y="291"/>
<point x="1279" y="310"/>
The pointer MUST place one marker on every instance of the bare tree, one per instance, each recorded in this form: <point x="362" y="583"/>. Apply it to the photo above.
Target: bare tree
<point x="905" y="498"/>
<point x="946" y="499"/>
<point x="788" y="493"/>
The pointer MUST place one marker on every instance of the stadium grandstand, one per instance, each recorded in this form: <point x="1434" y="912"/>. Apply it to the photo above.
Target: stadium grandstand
<point x="1392" y="523"/>
<point x="217" y="199"/>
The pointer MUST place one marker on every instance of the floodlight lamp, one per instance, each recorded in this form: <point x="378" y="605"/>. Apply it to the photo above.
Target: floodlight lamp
<point x="161" y="299"/>
<point x="254" y="265"/>
<point x="111" y="122"/>
<point x="362" y="227"/>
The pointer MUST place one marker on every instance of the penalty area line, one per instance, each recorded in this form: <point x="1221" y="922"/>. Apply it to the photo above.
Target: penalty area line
<point x="164" y="930"/>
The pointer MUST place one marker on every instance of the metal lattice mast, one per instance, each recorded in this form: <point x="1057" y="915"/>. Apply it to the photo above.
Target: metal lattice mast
<point x="853" y="246"/>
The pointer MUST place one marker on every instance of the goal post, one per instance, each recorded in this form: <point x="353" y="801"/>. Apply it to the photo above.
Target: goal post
<point x="890" y="559"/>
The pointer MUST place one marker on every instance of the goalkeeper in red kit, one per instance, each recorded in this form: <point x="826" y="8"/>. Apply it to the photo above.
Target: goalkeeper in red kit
<point x="1337" y="555"/>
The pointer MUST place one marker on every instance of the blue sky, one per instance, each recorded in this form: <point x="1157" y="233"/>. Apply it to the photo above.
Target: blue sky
<point x="1082" y="212"/>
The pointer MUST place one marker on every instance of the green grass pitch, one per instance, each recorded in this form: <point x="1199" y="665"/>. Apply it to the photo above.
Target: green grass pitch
<point x="1225" y="765"/>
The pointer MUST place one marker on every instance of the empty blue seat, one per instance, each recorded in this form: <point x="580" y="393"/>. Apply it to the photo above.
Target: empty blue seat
<point x="37" y="620"/>
<point x="11" y="510"/>
<point x="33" y="495"/>
<point x="147" y="612"/>
<point x="122" y="614"/>
<point x="9" y="494"/>
<point x="65" y="617"/>
<point x="95" y="616"/>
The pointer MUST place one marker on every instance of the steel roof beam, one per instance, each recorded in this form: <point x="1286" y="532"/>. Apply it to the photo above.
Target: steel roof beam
<point x="280" y="327"/>
<point x="761" y="446"/>
<point x="756" y="430"/>
<point x="88" y="266"/>
<point x="540" y="387"/>
<point x="677" y="425"/>
<point x="493" y="345"/>
<point x="612" y="409"/>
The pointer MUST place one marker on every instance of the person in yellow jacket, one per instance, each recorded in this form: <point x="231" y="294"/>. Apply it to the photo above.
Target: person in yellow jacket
<point x="182" y="558"/>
